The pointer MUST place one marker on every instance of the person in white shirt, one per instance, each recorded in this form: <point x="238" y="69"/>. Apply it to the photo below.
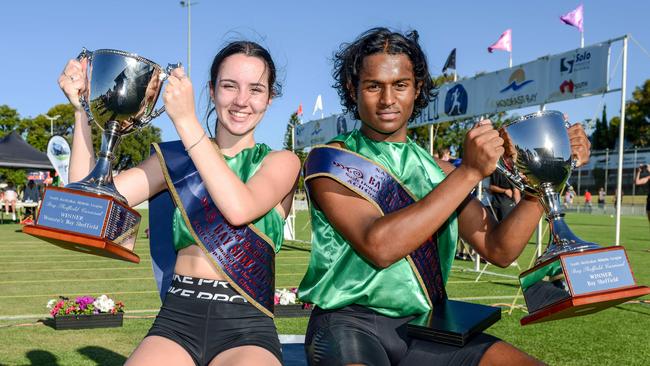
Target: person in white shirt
<point x="10" y="199"/>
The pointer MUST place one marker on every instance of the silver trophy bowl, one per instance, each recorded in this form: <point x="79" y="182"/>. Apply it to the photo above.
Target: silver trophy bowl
<point x="121" y="97"/>
<point x="538" y="161"/>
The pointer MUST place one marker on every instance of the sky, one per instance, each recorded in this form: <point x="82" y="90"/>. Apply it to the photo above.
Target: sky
<point x="39" y="37"/>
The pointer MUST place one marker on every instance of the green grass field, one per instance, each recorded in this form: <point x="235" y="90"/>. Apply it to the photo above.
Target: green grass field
<point x="32" y="272"/>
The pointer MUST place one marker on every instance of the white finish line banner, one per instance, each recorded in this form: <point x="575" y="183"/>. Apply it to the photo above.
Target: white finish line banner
<point x="323" y="130"/>
<point x="574" y="74"/>
<point x="569" y="75"/>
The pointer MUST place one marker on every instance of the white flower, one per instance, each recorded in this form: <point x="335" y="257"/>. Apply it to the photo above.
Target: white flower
<point x="51" y="303"/>
<point x="291" y="298"/>
<point x="104" y="304"/>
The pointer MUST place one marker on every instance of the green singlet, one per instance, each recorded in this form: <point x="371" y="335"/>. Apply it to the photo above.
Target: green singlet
<point x="244" y="164"/>
<point x="337" y="276"/>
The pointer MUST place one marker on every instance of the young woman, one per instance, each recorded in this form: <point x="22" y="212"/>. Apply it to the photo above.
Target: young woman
<point x="372" y="271"/>
<point x="209" y="315"/>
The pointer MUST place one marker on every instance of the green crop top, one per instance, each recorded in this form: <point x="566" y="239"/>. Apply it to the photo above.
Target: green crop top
<point x="244" y="164"/>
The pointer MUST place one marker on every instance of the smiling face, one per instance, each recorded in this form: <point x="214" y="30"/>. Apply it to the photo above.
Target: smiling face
<point x="385" y="96"/>
<point x="241" y="94"/>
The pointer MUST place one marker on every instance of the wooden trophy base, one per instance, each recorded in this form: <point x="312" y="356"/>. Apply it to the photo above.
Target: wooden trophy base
<point x="86" y="222"/>
<point x="578" y="283"/>
<point x="583" y="305"/>
<point x="84" y="244"/>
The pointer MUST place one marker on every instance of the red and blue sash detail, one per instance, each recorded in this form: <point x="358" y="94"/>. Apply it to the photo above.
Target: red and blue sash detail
<point x="372" y="182"/>
<point x="243" y="254"/>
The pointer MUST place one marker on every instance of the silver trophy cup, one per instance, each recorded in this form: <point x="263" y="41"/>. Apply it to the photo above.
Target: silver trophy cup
<point x="538" y="161"/>
<point x="120" y="98"/>
<point x="573" y="277"/>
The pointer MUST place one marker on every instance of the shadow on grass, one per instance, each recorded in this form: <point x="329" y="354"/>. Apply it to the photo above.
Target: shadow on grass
<point x="48" y="322"/>
<point x="629" y="309"/>
<point x="102" y="356"/>
<point x="40" y="357"/>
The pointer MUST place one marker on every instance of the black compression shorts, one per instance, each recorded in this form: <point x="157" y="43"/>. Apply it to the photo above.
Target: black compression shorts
<point x="355" y="334"/>
<point x="207" y="317"/>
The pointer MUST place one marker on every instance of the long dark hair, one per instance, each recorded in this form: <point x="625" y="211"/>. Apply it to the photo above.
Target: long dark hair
<point x="247" y="48"/>
<point x="349" y="60"/>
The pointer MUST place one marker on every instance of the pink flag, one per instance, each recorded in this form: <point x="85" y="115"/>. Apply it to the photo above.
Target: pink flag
<point x="503" y="43"/>
<point x="574" y="18"/>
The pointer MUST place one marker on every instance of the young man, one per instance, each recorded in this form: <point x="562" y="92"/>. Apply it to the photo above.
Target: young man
<point x="375" y="263"/>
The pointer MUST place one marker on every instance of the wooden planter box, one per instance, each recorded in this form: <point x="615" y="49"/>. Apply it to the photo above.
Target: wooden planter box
<point x="88" y="321"/>
<point x="291" y="311"/>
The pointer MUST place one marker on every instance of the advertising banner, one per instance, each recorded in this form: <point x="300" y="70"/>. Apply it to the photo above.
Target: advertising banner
<point x="574" y="74"/>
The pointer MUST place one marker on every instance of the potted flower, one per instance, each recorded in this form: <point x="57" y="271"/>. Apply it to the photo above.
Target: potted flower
<point x="290" y="305"/>
<point x="86" y="312"/>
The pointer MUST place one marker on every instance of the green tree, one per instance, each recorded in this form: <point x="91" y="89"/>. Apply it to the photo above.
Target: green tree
<point x="637" y="120"/>
<point x="288" y="144"/>
<point x="613" y="130"/>
<point x="13" y="175"/>
<point x="601" y="137"/>
<point x="9" y="120"/>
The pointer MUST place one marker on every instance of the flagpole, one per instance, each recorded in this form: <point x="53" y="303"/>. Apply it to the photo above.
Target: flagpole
<point x="431" y="139"/>
<point x="621" y="139"/>
<point x="293" y="200"/>
<point x="510" y="59"/>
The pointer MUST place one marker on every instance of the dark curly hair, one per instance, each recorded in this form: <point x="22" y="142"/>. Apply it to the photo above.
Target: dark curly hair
<point x="349" y="60"/>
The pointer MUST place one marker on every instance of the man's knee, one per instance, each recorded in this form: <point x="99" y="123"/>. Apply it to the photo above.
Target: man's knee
<point x="502" y="353"/>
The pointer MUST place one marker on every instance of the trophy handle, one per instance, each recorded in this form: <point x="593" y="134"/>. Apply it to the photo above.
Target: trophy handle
<point x="163" y="76"/>
<point x="574" y="161"/>
<point x="515" y="179"/>
<point x="85" y="53"/>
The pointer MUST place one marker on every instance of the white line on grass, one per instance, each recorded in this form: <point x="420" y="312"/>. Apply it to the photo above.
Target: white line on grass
<point x="32" y="316"/>
<point x="59" y="262"/>
<point x="39" y="256"/>
<point x="78" y="269"/>
<point x="79" y="294"/>
<point x="72" y="279"/>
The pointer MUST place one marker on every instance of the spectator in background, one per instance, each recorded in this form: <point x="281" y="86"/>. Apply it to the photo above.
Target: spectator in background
<point x="31" y="194"/>
<point x="10" y="199"/>
<point x="444" y="154"/>
<point x="569" y="193"/>
<point x="601" y="198"/>
<point x="588" y="201"/>
<point x="644" y="181"/>
<point x="341" y="125"/>
<point x="56" y="180"/>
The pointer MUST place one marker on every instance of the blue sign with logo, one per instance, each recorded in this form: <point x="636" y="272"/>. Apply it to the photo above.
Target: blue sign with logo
<point x="73" y="212"/>
<point x="599" y="271"/>
<point x="517" y="81"/>
<point x="456" y="101"/>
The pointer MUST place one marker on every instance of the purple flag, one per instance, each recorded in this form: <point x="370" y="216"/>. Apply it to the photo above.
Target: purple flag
<point x="574" y="18"/>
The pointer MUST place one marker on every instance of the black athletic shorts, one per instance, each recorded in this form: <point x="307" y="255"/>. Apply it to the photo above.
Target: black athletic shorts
<point x="356" y="334"/>
<point x="647" y="204"/>
<point x="207" y="317"/>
